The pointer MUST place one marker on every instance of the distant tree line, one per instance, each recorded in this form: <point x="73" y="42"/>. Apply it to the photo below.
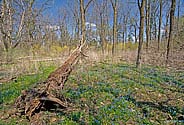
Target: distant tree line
<point x="24" y="23"/>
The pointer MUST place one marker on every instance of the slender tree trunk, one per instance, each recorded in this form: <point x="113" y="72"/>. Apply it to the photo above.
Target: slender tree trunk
<point x="123" y="41"/>
<point x="178" y="17"/>
<point x="141" y="31"/>
<point x="151" y="25"/>
<point x="102" y="32"/>
<point x="125" y="28"/>
<point x="173" y="6"/>
<point x="77" y="28"/>
<point x="114" y="32"/>
<point x="83" y="26"/>
<point x="6" y="27"/>
<point x="159" y="27"/>
<point x="147" y="23"/>
<point x="83" y="10"/>
<point x="125" y="21"/>
<point x="114" y="5"/>
<point x="101" y="9"/>
<point x="2" y="26"/>
<point x="167" y="27"/>
<point x="135" y="32"/>
<point x="155" y="27"/>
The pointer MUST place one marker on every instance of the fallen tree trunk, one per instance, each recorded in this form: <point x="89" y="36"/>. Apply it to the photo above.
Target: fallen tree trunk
<point x="45" y="94"/>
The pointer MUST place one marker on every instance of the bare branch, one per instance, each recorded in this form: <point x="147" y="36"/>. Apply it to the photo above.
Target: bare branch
<point x="139" y="4"/>
<point x="87" y="5"/>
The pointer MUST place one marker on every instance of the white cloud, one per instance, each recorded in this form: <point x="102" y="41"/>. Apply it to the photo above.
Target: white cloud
<point x="87" y="23"/>
<point x="90" y="24"/>
<point x="53" y="27"/>
<point x="93" y="25"/>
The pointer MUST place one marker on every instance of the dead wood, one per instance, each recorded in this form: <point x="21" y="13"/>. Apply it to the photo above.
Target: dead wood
<point x="48" y="93"/>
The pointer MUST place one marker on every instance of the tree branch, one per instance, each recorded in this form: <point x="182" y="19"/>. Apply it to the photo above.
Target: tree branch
<point x="139" y="4"/>
<point x="87" y="5"/>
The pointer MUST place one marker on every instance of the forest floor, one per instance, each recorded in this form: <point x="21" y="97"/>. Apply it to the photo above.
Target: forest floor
<point x="106" y="93"/>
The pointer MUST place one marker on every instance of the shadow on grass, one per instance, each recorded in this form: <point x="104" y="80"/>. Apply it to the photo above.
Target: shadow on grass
<point x="162" y="106"/>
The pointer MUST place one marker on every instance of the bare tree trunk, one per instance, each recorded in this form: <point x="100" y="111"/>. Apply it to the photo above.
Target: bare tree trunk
<point x="173" y="6"/>
<point x="135" y="32"/>
<point x="123" y="45"/>
<point x="83" y="26"/>
<point x="102" y="32"/>
<point x="6" y="26"/>
<point x="159" y="27"/>
<point x="147" y="23"/>
<point x="83" y="18"/>
<point x="125" y="22"/>
<point x="75" y="12"/>
<point x="151" y="25"/>
<point x="101" y="10"/>
<point x="141" y="30"/>
<point x="166" y="27"/>
<point x="33" y="100"/>
<point x="2" y="19"/>
<point x="114" y="5"/>
<point x="155" y="27"/>
<point x="178" y="17"/>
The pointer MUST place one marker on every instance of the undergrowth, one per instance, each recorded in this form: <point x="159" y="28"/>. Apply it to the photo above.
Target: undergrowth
<point x="111" y="94"/>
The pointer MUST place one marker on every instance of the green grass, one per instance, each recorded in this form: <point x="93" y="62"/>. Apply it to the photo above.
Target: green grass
<point x="9" y="91"/>
<point x="112" y="94"/>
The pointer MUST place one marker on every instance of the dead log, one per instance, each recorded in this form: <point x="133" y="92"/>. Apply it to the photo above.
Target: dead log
<point x="33" y="100"/>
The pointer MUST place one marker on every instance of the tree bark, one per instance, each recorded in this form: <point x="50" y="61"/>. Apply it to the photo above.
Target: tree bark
<point x="141" y="31"/>
<point x="166" y="26"/>
<point x="114" y="6"/>
<point x="101" y="10"/>
<point x="178" y="14"/>
<point x="172" y="11"/>
<point x="148" y="2"/>
<point x="83" y="20"/>
<point x="135" y="33"/>
<point x="102" y="32"/>
<point x="45" y="94"/>
<point x="160" y="24"/>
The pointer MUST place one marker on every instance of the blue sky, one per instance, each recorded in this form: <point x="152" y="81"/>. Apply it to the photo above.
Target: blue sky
<point x="56" y="4"/>
<point x="54" y="7"/>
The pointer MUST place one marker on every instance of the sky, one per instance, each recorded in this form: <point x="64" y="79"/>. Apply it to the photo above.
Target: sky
<point x="54" y="6"/>
<point x="57" y="4"/>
